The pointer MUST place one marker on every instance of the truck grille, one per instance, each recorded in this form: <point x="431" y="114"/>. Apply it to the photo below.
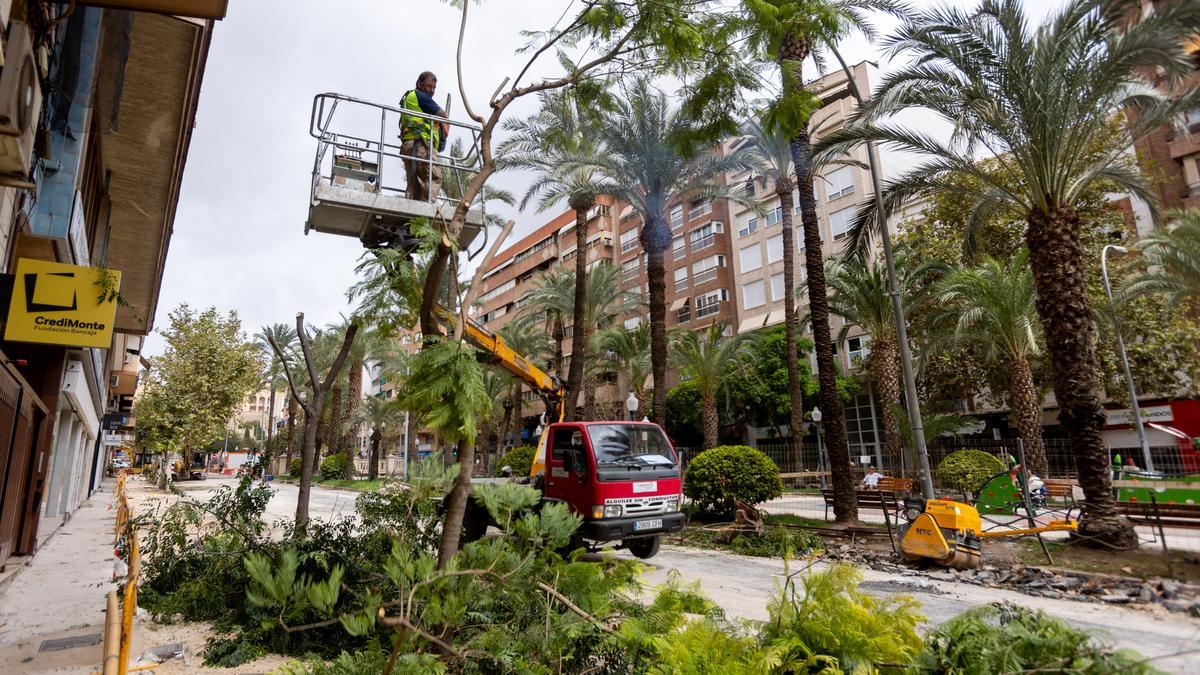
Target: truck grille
<point x="649" y="507"/>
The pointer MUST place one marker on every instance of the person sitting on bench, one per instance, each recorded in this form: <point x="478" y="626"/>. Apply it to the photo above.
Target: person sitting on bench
<point x="871" y="480"/>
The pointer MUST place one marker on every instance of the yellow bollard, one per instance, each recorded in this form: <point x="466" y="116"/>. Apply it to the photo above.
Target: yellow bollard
<point x="130" y="603"/>
<point x="112" y="637"/>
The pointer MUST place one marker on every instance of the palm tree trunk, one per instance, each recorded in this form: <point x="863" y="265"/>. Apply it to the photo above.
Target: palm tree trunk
<point x="506" y="425"/>
<point x="887" y="378"/>
<point x="558" y="334"/>
<point x="783" y="188"/>
<point x="579" y="339"/>
<point x="373" y="460"/>
<point x="1027" y="409"/>
<point x="845" y="501"/>
<point x="708" y="413"/>
<point x="353" y="401"/>
<point x="656" y="274"/>
<point x="457" y="505"/>
<point x="336" y="432"/>
<point x="1057" y="257"/>
<point x="589" y="397"/>
<point x="270" y="416"/>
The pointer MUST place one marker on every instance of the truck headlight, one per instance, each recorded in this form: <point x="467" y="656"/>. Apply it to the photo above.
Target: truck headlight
<point x="671" y="504"/>
<point x="612" y="510"/>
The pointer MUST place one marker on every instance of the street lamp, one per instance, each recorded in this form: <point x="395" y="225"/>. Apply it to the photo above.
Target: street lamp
<point x="1133" y="399"/>
<point x="631" y="405"/>
<point x="816" y="418"/>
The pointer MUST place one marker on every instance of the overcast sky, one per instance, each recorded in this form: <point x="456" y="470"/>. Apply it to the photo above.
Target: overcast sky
<point x="239" y="238"/>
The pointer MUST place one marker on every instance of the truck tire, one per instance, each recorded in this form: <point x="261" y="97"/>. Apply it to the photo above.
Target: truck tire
<point x="644" y="547"/>
<point x="475" y="523"/>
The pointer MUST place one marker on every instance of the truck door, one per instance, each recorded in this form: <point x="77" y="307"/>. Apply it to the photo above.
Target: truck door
<point x="569" y="468"/>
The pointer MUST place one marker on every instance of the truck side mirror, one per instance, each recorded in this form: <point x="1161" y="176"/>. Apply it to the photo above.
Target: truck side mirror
<point x="579" y="462"/>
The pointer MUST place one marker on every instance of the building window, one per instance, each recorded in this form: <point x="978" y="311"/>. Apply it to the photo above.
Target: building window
<point x="710" y="303"/>
<point x="684" y="314"/>
<point x="545" y="243"/>
<point x="678" y="248"/>
<point x="704" y="236"/>
<point x="774" y="216"/>
<point x="840" y="222"/>
<point x="840" y="182"/>
<point x="706" y="270"/>
<point x="568" y="331"/>
<point x="751" y="257"/>
<point x="777" y="286"/>
<point x="497" y="291"/>
<point x="629" y="240"/>
<point x="749" y="228"/>
<point x="630" y="269"/>
<point x="699" y="210"/>
<point x="857" y="350"/>
<point x="676" y="218"/>
<point x="753" y="295"/>
<point x="1192" y="118"/>
<point x="749" y="188"/>
<point x="633" y="322"/>
<point x="775" y="248"/>
<point x="681" y="279"/>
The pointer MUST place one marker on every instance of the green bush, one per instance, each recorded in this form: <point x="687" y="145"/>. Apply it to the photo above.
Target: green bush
<point x="720" y="476"/>
<point x="335" y="466"/>
<point x="296" y="467"/>
<point x="967" y="469"/>
<point x="1012" y="639"/>
<point x="519" y="459"/>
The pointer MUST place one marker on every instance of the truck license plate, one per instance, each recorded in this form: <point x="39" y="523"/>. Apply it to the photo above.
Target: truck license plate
<point x="640" y="525"/>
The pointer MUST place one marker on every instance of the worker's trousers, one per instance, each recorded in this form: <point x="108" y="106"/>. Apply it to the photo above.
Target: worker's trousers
<point x="423" y="174"/>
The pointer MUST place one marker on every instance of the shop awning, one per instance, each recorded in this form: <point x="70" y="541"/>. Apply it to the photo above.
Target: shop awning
<point x="753" y="323"/>
<point x="679" y="303"/>
<point x="1170" y="430"/>
<point x="776" y="316"/>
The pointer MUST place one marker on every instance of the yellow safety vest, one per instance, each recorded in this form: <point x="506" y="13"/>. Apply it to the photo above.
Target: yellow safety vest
<point x="412" y="128"/>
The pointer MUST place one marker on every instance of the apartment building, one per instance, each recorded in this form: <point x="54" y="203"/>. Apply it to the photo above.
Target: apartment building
<point x="515" y="272"/>
<point x="1172" y="154"/>
<point x="97" y="106"/>
<point x="757" y="246"/>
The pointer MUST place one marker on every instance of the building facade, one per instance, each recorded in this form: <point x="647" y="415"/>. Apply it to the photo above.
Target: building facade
<point x="98" y="107"/>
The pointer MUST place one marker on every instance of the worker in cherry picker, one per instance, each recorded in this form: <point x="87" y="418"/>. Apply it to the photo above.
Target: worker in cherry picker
<point x="422" y="139"/>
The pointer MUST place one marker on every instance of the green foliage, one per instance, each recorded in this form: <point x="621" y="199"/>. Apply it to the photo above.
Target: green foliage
<point x="335" y="466"/>
<point x="824" y="619"/>
<point x="967" y="469"/>
<point x="683" y="414"/>
<point x="296" y="467"/>
<point x="445" y="384"/>
<point x="519" y="459"/>
<point x="1012" y="639"/>
<point x="718" y="477"/>
<point x="776" y="541"/>
<point x="192" y="389"/>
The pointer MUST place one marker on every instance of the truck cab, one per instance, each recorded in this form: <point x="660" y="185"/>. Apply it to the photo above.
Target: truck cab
<point x="622" y="478"/>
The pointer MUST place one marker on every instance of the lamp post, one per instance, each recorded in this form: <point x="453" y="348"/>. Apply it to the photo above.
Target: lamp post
<point x="816" y="418"/>
<point x="631" y="405"/>
<point x="1133" y="399"/>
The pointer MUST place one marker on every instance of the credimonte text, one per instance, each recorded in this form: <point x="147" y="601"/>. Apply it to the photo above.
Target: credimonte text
<point x="69" y="323"/>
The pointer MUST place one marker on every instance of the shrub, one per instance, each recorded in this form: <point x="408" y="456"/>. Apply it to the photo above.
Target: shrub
<point x="967" y="469"/>
<point x="296" y="467"/>
<point x="335" y="466"/>
<point x="519" y="459"/>
<point x="720" y="476"/>
<point x="1012" y="639"/>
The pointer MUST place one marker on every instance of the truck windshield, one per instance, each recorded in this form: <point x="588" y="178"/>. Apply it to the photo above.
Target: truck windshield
<point x="639" y="444"/>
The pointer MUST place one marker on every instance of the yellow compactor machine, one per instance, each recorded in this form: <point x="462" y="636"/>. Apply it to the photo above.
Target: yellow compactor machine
<point x="951" y="533"/>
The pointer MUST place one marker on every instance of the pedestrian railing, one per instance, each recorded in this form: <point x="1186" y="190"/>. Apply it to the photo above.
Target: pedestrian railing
<point x="119" y="613"/>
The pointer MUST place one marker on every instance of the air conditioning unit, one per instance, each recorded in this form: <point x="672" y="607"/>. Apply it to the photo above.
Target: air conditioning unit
<point x="20" y="103"/>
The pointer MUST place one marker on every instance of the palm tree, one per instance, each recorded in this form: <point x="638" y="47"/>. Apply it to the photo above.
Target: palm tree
<point x="285" y="337"/>
<point x="1170" y="262"/>
<point x="554" y="296"/>
<point x="651" y="156"/>
<point x="379" y="414"/>
<point x="991" y="309"/>
<point x="708" y="357"/>
<point x="860" y="296"/>
<point x="1041" y="100"/>
<point x="560" y="145"/>
<point x="526" y="336"/>
<point x="629" y="351"/>
<point x="788" y="32"/>
<point x="365" y="347"/>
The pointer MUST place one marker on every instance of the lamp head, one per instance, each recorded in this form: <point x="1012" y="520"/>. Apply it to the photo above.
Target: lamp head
<point x="816" y="414"/>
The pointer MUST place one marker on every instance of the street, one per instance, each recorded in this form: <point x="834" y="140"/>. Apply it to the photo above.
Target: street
<point x="742" y="585"/>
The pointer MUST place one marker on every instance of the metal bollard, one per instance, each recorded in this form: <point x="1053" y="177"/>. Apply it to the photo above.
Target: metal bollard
<point x="112" y="636"/>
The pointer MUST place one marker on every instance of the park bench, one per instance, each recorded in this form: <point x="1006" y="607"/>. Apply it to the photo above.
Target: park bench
<point x="870" y="500"/>
<point x="1168" y="515"/>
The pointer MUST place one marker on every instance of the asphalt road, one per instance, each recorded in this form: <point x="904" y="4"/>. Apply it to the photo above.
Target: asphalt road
<point x="742" y="586"/>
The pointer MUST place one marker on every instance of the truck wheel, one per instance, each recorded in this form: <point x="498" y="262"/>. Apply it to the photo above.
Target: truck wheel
<point x="645" y="547"/>
<point x="475" y="523"/>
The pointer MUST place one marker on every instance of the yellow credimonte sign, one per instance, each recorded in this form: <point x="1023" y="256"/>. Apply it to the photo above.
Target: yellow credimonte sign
<point x="59" y="304"/>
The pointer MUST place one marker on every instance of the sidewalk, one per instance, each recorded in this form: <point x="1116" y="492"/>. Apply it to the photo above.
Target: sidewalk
<point x="60" y="593"/>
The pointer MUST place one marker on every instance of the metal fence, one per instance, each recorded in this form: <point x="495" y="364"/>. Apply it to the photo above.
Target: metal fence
<point x="804" y="480"/>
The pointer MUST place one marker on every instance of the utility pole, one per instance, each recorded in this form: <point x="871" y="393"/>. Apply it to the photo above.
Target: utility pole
<point x="1133" y="399"/>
